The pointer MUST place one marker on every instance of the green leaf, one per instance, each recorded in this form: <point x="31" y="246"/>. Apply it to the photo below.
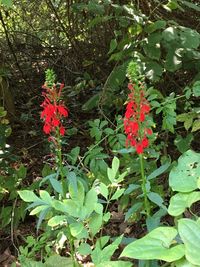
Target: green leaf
<point x="184" y="176"/>
<point x="79" y="194"/>
<point x="155" y="245"/>
<point x="95" y="223"/>
<point x="181" y="201"/>
<point x="113" y="172"/>
<point x="156" y="198"/>
<point x="115" y="264"/>
<point x="196" y="125"/>
<point x="113" y="46"/>
<point x="132" y="210"/>
<point x="91" y="103"/>
<point x="38" y="209"/>
<point x="190" y="5"/>
<point x="45" y="197"/>
<point x="153" y="70"/>
<point x="157" y="25"/>
<point x="183" y="144"/>
<point x="108" y="251"/>
<point x="57" y="220"/>
<point x="158" y="171"/>
<point x="184" y="263"/>
<point x="118" y="194"/>
<point x="173" y="60"/>
<point x="189" y="231"/>
<point x="103" y="190"/>
<point x="77" y="230"/>
<point x="196" y="89"/>
<point x="54" y="260"/>
<point x="90" y="201"/>
<point x="28" y="196"/>
<point x="84" y="249"/>
<point x="7" y="3"/>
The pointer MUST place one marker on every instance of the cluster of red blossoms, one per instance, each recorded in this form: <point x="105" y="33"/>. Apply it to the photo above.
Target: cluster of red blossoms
<point x="53" y="110"/>
<point x="135" y="123"/>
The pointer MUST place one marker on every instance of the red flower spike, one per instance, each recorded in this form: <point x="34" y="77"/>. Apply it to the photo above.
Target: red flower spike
<point x="135" y="121"/>
<point x="53" y="110"/>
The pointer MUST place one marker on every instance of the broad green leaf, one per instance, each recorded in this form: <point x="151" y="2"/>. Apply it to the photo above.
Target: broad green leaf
<point x="184" y="176"/>
<point x="196" y="89"/>
<point x="113" y="172"/>
<point x="90" y="201"/>
<point x="189" y="38"/>
<point x="115" y="264"/>
<point x="57" y="220"/>
<point x="189" y="231"/>
<point x="77" y="230"/>
<point x="28" y="196"/>
<point x="173" y="60"/>
<point x="153" y="70"/>
<point x="118" y="194"/>
<point x="79" y="194"/>
<point x="30" y="263"/>
<point x="45" y="196"/>
<point x="7" y="3"/>
<point x="157" y="25"/>
<point x="95" y="223"/>
<point x="184" y="263"/>
<point x="183" y="144"/>
<point x="84" y="249"/>
<point x="55" y="260"/>
<point x="181" y="201"/>
<point x="155" y="245"/>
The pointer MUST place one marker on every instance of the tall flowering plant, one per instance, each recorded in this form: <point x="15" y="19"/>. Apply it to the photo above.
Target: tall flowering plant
<point x="54" y="110"/>
<point x="136" y="123"/>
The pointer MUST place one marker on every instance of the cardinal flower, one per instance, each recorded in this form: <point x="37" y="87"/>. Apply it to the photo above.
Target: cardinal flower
<point x="135" y="121"/>
<point x="53" y="110"/>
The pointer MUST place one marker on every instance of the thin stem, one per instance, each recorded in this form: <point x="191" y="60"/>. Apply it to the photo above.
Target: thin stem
<point x="60" y="163"/>
<point x="144" y="181"/>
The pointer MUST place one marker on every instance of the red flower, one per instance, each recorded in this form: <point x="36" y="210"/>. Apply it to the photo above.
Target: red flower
<point x="53" y="110"/>
<point x="135" y="121"/>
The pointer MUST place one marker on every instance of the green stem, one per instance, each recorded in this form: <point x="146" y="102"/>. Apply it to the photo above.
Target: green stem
<point x="144" y="190"/>
<point x="60" y="163"/>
